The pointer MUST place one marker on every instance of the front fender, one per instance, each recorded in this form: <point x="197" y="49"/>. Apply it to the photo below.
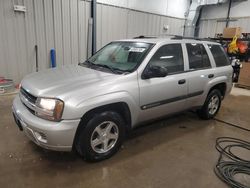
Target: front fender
<point x="86" y="105"/>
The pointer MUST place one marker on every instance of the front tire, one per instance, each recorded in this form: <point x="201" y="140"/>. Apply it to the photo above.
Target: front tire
<point x="211" y="105"/>
<point x="101" y="137"/>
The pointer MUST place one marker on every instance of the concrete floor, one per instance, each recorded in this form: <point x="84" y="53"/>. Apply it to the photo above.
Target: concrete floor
<point x="175" y="152"/>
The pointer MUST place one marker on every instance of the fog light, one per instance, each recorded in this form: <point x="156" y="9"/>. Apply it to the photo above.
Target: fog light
<point x="41" y="137"/>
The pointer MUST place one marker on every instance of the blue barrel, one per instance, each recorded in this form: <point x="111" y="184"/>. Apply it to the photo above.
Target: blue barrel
<point x="53" y="57"/>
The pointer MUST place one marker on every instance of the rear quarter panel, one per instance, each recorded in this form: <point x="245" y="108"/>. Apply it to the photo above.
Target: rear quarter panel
<point x="221" y="75"/>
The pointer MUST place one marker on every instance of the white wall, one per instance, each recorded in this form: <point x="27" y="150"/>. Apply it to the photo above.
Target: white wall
<point x="209" y="25"/>
<point x="173" y="8"/>
<point x="63" y="25"/>
<point x="238" y="9"/>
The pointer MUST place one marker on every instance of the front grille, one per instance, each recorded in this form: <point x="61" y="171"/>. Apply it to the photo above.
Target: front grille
<point x="28" y="100"/>
<point x="31" y="110"/>
<point x="28" y="96"/>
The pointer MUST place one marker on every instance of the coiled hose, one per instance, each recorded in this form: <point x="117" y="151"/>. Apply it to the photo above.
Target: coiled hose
<point x="229" y="164"/>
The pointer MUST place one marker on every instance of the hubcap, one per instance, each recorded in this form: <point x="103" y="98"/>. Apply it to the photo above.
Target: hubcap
<point x="104" y="137"/>
<point x="213" y="104"/>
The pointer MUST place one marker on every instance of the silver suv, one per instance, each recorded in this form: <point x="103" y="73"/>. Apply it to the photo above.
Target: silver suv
<point x="89" y="107"/>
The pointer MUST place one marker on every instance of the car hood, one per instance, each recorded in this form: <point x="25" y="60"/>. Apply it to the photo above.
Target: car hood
<point x="66" y="81"/>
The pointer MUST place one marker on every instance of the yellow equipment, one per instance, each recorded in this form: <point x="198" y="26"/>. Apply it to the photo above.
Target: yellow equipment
<point x="232" y="47"/>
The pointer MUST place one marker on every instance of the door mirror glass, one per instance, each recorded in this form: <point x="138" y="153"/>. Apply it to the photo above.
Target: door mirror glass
<point x="154" y="72"/>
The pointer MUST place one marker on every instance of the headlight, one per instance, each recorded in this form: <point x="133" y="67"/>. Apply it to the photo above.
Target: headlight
<point x="50" y="109"/>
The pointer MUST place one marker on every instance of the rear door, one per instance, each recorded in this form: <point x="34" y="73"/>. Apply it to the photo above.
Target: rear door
<point x="200" y="72"/>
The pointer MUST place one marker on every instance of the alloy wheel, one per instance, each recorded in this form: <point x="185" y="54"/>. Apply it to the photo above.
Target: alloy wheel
<point x="104" y="137"/>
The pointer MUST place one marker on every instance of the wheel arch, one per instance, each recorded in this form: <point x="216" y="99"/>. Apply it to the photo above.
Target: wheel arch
<point x="121" y="108"/>
<point x="222" y="87"/>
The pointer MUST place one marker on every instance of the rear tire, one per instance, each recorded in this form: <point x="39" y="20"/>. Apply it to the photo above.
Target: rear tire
<point x="211" y="105"/>
<point x="101" y="137"/>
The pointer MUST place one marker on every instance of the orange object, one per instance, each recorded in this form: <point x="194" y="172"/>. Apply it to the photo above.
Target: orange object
<point x="242" y="46"/>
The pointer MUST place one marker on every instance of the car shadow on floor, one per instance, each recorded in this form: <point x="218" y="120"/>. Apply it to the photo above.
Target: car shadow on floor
<point x="145" y="137"/>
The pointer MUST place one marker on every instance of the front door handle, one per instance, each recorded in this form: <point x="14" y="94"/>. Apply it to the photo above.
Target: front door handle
<point x="183" y="81"/>
<point x="210" y="75"/>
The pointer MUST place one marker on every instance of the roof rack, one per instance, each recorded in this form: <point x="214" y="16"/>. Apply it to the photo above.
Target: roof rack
<point x="182" y="37"/>
<point x="193" y="38"/>
<point x="144" y="37"/>
<point x="176" y="37"/>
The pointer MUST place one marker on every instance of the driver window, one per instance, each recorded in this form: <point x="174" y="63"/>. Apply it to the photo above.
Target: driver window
<point x="169" y="56"/>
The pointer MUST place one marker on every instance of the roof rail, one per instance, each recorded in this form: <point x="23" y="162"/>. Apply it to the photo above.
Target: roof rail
<point x="193" y="38"/>
<point x="182" y="37"/>
<point x="144" y="37"/>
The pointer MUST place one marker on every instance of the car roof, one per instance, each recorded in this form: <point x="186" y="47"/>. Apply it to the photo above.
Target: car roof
<point x="155" y="40"/>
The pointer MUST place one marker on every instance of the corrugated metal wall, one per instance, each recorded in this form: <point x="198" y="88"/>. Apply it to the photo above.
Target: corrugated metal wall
<point x="116" y="23"/>
<point x="210" y="27"/>
<point x="59" y="24"/>
<point x="63" y="25"/>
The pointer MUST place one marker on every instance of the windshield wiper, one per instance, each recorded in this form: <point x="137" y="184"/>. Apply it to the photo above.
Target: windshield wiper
<point x="112" y="69"/>
<point x="87" y="62"/>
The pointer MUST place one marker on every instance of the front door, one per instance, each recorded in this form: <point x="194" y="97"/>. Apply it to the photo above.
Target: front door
<point x="164" y="95"/>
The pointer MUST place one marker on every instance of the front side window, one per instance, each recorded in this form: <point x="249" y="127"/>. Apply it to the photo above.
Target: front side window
<point x="169" y="56"/>
<point x="121" y="56"/>
<point x="219" y="55"/>
<point x="197" y="55"/>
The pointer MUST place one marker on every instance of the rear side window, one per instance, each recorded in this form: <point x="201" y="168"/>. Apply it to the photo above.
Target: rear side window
<point x="219" y="55"/>
<point x="197" y="55"/>
<point x="169" y="56"/>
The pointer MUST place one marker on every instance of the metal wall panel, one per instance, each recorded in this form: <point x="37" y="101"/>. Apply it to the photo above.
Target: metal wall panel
<point x="74" y="31"/>
<point x="66" y="32"/>
<point x="49" y="29"/>
<point x="40" y="34"/>
<point x="4" y="69"/>
<point x="210" y="27"/>
<point x="10" y="41"/>
<point x="243" y="22"/>
<point x="84" y="14"/>
<point x="63" y="25"/>
<point x="140" y="23"/>
<point x="111" y="24"/>
<point x="30" y="37"/>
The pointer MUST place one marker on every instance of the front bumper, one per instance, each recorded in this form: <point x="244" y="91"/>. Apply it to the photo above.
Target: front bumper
<point x="51" y="135"/>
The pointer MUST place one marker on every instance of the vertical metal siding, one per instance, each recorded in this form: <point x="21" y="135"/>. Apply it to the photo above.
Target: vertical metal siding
<point x="49" y="29"/>
<point x="21" y="41"/>
<point x="111" y="24"/>
<point x="57" y="20"/>
<point x="10" y="41"/>
<point x="3" y="65"/>
<point x="83" y="15"/>
<point x="40" y="34"/>
<point x="30" y="37"/>
<point x="63" y="25"/>
<point x="74" y="31"/>
<point x="66" y="32"/>
<point x="210" y="27"/>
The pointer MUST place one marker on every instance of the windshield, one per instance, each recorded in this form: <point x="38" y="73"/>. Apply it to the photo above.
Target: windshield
<point x="120" y="56"/>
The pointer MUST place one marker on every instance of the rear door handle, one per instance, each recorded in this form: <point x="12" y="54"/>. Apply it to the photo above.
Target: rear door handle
<point x="210" y="75"/>
<point x="183" y="81"/>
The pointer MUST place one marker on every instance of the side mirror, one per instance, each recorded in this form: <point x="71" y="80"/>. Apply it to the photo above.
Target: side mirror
<point x="154" y="72"/>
